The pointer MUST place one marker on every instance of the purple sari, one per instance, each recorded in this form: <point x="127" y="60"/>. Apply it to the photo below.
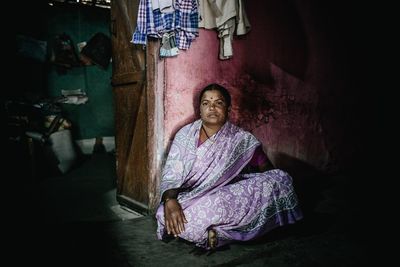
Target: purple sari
<point x="216" y="195"/>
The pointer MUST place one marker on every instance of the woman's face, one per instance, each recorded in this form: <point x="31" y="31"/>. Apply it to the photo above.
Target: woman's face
<point x="213" y="108"/>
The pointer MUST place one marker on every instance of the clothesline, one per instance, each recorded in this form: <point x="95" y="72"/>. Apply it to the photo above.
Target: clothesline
<point x="176" y="23"/>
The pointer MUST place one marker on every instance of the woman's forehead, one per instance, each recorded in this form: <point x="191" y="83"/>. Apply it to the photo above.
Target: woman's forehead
<point x="212" y="95"/>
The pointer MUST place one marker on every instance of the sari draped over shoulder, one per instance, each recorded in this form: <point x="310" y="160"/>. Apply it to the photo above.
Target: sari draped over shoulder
<point x="215" y="195"/>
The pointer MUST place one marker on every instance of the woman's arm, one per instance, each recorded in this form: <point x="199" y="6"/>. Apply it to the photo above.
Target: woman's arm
<point x="260" y="162"/>
<point x="174" y="216"/>
<point x="267" y="165"/>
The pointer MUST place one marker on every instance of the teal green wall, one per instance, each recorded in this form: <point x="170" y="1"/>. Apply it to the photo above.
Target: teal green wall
<point x="96" y="117"/>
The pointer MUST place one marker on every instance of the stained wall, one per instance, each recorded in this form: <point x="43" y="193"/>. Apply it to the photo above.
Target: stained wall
<point x="294" y="81"/>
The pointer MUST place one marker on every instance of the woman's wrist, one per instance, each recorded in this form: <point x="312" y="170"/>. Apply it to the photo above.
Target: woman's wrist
<point x="169" y="194"/>
<point x="168" y="199"/>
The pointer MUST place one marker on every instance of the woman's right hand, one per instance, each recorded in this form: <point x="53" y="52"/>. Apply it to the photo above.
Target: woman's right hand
<point x="174" y="217"/>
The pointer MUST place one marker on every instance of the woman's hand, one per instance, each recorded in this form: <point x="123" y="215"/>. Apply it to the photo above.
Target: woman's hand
<point x="174" y="217"/>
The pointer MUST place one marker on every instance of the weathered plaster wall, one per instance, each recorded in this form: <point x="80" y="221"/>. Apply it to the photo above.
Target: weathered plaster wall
<point x="188" y="73"/>
<point x="291" y="80"/>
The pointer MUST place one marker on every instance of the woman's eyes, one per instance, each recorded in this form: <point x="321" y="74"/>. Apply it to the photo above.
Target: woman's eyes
<point x="219" y="103"/>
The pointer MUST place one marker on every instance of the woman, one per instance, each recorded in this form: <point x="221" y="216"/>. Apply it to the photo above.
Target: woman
<point x="206" y="196"/>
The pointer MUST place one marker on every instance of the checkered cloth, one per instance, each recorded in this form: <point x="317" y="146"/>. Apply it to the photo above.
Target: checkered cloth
<point x="183" y="21"/>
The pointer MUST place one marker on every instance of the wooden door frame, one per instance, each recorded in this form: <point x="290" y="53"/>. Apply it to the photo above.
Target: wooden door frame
<point x="154" y="94"/>
<point x="148" y="74"/>
<point x="155" y="123"/>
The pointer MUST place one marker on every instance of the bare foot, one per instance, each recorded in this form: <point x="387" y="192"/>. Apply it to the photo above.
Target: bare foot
<point x="212" y="239"/>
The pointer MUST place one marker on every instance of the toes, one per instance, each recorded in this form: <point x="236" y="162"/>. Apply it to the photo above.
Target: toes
<point x="212" y="239"/>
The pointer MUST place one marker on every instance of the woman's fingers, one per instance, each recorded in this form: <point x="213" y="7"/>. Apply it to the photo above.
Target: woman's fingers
<point x="169" y="226"/>
<point x="176" y="224"/>
<point x="174" y="218"/>
<point x="184" y="217"/>
<point x="179" y="224"/>
<point x="182" y="221"/>
<point x="176" y="228"/>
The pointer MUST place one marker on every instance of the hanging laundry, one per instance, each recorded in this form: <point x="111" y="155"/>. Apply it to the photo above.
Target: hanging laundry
<point x="168" y="45"/>
<point x="227" y="17"/>
<point x="182" y="20"/>
<point x="165" y="6"/>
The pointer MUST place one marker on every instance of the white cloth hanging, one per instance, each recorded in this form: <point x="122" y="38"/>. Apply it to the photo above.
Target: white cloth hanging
<point x="227" y="17"/>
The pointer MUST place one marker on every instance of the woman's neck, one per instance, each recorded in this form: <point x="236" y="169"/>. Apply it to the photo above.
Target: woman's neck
<point x="210" y="130"/>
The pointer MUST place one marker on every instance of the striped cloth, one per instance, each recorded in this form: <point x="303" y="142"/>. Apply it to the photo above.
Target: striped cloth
<point x="183" y="21"/>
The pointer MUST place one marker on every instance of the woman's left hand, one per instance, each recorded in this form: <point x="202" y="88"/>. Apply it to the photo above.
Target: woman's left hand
<point x="174" y="217"/>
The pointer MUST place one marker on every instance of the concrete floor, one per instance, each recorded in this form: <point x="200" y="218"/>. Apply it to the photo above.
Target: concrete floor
<point x="74" y="220"/>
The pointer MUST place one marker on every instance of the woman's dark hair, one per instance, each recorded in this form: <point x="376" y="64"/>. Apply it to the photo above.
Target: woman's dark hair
<point x="221" y="89"/>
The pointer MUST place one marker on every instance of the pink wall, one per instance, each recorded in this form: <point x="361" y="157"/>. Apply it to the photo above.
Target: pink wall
<point x="289" y="80"/>
<point x="188" y="73"/>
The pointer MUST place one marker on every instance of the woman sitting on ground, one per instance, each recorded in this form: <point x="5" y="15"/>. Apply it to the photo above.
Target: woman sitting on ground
<point x="207" y="196"/>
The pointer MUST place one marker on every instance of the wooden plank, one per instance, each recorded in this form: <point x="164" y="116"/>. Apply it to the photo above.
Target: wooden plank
<point x="128" y="20"/>
<point x="126" y="110"/>
<point x="138" y="111"/>
<point x="127" y="78"/>
<point x="127" y="58"/>
<point x="137" y="169"/>
<point x="154" y="121"/>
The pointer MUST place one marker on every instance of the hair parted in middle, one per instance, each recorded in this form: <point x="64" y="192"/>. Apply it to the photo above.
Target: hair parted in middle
<point x="224" y="92"/>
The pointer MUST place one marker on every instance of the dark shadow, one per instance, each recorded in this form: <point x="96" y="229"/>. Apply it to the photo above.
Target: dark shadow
<point x="72" y="244"/>
<point x="278" y="34"/>
<point x="308" y="181"/>
<point x="321" y="198"/>
<point x="331" y="202"/>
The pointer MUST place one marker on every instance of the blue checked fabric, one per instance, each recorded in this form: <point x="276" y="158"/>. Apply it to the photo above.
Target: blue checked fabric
<point x="183" y="21"/>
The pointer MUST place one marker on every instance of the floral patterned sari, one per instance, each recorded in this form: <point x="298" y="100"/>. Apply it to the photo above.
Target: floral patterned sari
<point x="216" y="195"/>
